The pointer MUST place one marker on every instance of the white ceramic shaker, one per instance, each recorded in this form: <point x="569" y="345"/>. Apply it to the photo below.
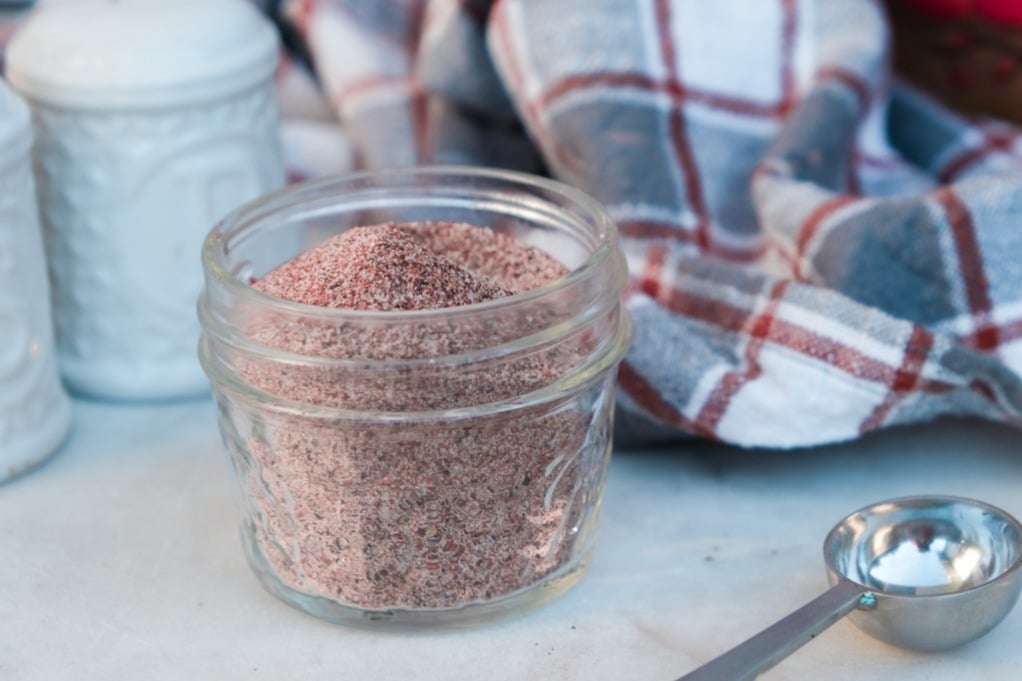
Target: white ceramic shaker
<point x="34" y="409"/>
<point x="153" y="119"/>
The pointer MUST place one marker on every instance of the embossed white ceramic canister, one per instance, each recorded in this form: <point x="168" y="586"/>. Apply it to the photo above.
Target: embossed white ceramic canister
<point x="34" y="409"/>
<point x="153" y="119"/>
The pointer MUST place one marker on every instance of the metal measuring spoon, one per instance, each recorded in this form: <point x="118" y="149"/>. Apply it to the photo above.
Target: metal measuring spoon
<point x="927" y="573"/>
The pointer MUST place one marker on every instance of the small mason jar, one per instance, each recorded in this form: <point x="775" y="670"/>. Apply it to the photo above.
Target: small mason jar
<point x="451" y="467"/>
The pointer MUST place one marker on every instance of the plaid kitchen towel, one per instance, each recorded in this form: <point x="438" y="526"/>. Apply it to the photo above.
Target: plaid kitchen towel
<point x="815" y="251"/>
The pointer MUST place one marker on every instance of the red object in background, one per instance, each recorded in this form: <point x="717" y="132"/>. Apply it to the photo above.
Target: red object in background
<point x="967" y="53"/>
<point x="1005" y="12"/>
<point x="944" y="10"/>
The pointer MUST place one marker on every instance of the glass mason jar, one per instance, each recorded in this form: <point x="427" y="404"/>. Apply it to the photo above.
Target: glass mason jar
<point x="426" y="466"/>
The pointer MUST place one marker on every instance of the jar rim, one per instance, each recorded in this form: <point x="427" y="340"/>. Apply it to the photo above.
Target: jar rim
<point x="586" y="297"/>
<point x="538" y="339"/>
<point x="561" y="388"/>
<point x="270" y="204"/>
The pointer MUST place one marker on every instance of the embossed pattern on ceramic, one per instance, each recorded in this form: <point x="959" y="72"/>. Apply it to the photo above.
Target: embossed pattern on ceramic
<point x="125" y="281"/>
<point x="34" y="409"/>
<point x="131" y="178"/>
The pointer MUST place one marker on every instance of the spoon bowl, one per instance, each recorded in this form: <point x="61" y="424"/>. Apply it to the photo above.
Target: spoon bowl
<point x="926" y="572"/>
<point x="945" y="570"/>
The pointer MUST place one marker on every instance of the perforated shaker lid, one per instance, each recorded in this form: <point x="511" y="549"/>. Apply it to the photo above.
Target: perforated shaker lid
<point x="15" y="126"/>
<point x="140" y="53"/>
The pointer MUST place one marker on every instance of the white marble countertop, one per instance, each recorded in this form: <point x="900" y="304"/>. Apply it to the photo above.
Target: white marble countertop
<point x="120" y="559"/>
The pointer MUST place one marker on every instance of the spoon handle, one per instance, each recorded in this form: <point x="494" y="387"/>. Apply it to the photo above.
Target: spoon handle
<point x="761" y="652"/>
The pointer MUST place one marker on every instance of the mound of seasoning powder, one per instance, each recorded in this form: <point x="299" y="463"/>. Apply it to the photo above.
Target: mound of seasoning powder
<point x="429" y="513"/>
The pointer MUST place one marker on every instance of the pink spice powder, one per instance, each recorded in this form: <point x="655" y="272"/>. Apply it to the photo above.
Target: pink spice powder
<point x="424" y="513"/>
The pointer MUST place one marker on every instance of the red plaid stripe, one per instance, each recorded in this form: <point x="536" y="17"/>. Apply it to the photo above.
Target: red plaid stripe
<point x="647" y="229"/>
<point x="778" y="331"/>
<point x="906" y="378"/>
<point x="994" y="140"/>
<point x="973" y="273"/>
<point x="733" y="381"/>
<point x="646" y="395"/>
<point x="676" y="123"/>
<point x="650" y="283"/>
